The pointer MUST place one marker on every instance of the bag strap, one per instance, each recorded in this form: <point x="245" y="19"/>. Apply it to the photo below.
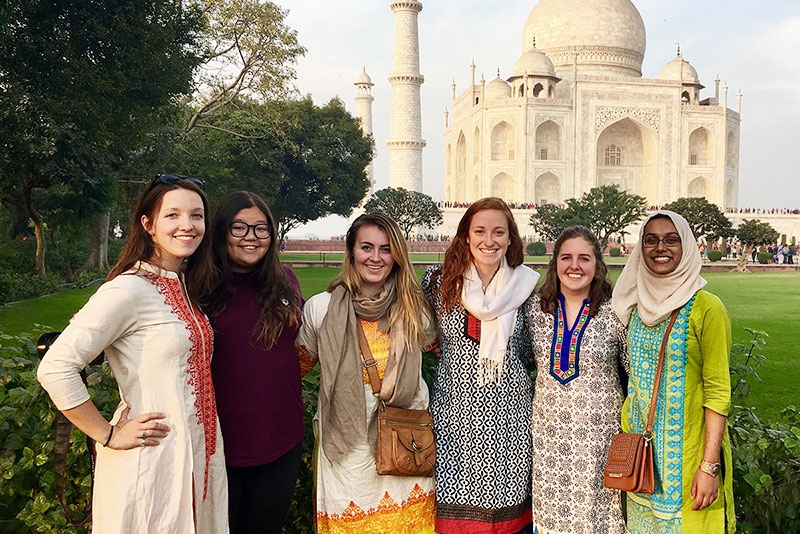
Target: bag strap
<point x="657" y="381"/>
<point x="369" y="362"/>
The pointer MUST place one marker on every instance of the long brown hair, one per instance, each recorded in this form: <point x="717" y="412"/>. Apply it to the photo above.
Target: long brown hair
<point x="278" y="298"/>
<point x="457" y="257"/>
<point x="600" y="288"/>
<point x="140" y="245"/>
<point x="411" y="304"/>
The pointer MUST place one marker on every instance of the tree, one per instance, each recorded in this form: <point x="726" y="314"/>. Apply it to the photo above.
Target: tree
<point x="409" y="209"/>
<point x="550" y="220"/>
<point x="609" y="210"/>
<point x="753" y="233"/>
<point x="705" y="219"/>
<point x="82" y="83"/>
<point x="605" y="210"/>
<point x="306" y="161"/>
<point x="251" y="53"/>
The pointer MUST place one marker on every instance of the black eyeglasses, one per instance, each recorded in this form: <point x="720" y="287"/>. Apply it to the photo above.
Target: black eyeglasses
<point x="651" y="241"/>
<point x="175" y="178"/>
<point x="240" y="229"/>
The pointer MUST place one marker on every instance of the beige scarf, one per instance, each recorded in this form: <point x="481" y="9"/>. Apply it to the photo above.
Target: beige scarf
<point x="341" y="397"/>
<point x="497" y="309"/>
<point x="657" y="295"/>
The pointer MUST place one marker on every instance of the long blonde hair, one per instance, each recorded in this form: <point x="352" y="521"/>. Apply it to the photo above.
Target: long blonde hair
<point x="410" y="304"/>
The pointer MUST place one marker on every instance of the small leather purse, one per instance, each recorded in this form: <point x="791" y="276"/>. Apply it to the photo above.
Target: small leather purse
<point x="406" y="445"/>
<point x="629" y="466"/>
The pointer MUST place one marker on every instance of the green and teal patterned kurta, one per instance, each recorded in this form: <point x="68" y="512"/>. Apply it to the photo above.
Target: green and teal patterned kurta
<point x="696" y="376"/>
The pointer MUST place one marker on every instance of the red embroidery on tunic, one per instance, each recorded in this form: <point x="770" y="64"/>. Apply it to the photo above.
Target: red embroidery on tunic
<point x="201" y="337"/>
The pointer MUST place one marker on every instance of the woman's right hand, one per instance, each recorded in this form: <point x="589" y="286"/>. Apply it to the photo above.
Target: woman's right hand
<point x="142" y="431"/>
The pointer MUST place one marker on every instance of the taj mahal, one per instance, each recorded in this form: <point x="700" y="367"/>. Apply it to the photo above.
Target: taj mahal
<point x="575" y="113"/>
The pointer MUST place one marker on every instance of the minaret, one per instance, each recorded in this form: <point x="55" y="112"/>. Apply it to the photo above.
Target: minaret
<point x="405" y="136"/>
<point x="364" y="101"/>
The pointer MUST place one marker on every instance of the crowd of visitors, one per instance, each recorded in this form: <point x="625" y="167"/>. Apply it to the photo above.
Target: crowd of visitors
<point x="208" y="336"/>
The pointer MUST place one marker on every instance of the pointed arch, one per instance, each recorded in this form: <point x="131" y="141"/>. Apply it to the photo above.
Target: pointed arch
<point x="461" y="167"/>
<point x="502" y="142"/>
<point x="503" y="187"/>
<point x="547" y="189"/>
<point x="548" y="141"/>
<point x="701" y="142"/>
<point x="632" y="151"/>
<point x="698" y="188"/>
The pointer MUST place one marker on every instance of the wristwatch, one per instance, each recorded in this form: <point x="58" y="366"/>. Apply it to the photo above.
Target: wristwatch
<point x="711" y="469"/>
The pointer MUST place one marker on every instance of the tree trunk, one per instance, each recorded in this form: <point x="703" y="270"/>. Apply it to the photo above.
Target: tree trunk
<point x="38" y="230"/>
<point x="741" y="263"/>
<point x="97" y="258"/>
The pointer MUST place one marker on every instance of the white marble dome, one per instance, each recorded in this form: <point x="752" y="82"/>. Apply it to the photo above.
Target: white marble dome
<point x="606" y="36"/>
<point x="680" y="69"/>
<point x="534" y="62"/>
<point x="498" y="88"/>
<point x="364" y="79"/>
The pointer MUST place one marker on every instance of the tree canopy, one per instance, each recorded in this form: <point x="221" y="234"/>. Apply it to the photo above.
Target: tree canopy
<point x="605" y="210"/>
<point x="306" y="161"/>
<point x="409" y="209"/>
<point x="82" y="83"/>
<point x="705" y="219"/>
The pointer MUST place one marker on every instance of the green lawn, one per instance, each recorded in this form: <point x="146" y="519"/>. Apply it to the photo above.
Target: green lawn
<point x="764" y="301"/>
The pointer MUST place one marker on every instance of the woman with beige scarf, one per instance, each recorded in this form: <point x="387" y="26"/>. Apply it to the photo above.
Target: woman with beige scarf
<point x="377" y="289"/>
<point x="482" y="394"/>
<point x="694" y="490"/>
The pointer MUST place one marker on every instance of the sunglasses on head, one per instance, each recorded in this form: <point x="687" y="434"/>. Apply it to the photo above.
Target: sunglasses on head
<point x="175" y="178"/>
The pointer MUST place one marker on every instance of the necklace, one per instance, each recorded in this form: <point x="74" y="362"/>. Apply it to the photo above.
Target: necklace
<point x="483" y="287"/>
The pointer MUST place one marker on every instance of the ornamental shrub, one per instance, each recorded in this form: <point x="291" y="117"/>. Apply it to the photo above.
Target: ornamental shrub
<point x="714" y="255"/>
<point x="28" y="500"/>
<point x="614" y="252"/>
<point x="764" y="258"/>
<point x="536" y="248"/>
<point x="766" y="455"/>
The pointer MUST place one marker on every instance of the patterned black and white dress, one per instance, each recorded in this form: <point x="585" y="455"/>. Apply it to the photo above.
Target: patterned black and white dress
<point x="576" y="411"/>
<point x="483" y="433"/>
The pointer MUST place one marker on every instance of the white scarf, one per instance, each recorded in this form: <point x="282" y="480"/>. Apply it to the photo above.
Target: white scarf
<point x="497" y="309"/>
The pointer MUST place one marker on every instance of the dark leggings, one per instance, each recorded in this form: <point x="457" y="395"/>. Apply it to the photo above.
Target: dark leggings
<point x="259" y="497"/>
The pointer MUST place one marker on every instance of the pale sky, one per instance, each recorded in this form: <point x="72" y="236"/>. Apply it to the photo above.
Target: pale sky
<point x="753" y="46"/>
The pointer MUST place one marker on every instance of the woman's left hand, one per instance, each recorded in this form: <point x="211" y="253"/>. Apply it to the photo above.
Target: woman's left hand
<point x="705" y="489"/>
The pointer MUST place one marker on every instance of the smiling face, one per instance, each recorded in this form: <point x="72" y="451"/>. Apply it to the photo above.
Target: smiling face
<point x="372" y="257"/>
<point x="177" y="229"/>
<point x="488" y="239"/>
<point x="245" y="252"/>
<point x="576" y="266"/>
<point x="661" y="259"/>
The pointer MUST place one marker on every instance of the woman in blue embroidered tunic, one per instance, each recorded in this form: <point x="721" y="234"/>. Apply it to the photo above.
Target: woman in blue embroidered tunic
<point x="694" y="490"/>
<point x="482" y="391"/>
<point x="579" y="345"/>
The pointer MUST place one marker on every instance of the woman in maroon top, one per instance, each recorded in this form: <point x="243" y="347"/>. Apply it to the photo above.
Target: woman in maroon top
<point x="254" y="304"/>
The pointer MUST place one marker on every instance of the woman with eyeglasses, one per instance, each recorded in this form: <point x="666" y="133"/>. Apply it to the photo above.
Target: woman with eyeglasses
<point x="694" y="489"/>
<point x="160" y="464"/>
<point x="254" y="304"/>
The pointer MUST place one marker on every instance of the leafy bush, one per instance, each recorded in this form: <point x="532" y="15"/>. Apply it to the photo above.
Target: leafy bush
<point x="766" y="456"/>
<point x="536" y="248"/>
<point x="16" y="286"/>
<point x="614" y="252"/>
<point x="714" y="255"/>
<point x="28" y="500"/>
<point x="764" y="258"/>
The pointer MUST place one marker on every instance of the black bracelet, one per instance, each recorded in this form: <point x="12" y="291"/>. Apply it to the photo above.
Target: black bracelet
<point x="109" y="437"/>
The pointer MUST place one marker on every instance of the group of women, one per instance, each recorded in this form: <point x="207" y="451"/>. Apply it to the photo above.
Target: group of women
<point x="512" y="456"/>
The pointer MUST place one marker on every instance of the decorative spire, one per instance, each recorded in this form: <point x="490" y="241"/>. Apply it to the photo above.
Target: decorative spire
<point x="498" y="72"/>
<point x="679" y="49"/>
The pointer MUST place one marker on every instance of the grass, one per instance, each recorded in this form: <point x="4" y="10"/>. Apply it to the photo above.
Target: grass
<point x="762" y="301"/>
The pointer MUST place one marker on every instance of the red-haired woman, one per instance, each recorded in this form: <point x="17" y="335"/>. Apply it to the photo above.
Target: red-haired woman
<point x="482" y="390"/>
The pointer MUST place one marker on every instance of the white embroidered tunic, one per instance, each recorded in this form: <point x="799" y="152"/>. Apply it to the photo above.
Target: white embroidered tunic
<point x="159" y="348"/>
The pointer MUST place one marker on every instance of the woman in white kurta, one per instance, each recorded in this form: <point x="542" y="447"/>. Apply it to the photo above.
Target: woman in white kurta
<point x="160" y="464"/>
<point x="378" y="289"/>
<point x="579" y="345"/>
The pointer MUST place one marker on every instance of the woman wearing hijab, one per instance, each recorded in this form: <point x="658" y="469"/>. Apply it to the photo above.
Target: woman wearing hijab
<point x="694" y="491"/>
<point x="378" y="291"/>
<point x="482" y="389"/>
<point x="579" y="345"/>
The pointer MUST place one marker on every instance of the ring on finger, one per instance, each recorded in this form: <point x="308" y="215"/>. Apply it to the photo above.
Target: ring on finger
<point x="144" y="434"/>
<point x="143" y="441"/>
